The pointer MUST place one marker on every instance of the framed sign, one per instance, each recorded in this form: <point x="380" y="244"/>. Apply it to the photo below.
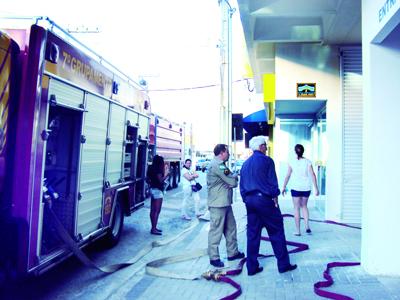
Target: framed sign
<point x="306" y="90"/>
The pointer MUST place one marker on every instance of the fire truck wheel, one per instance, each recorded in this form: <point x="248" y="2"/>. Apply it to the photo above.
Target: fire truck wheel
<point x="115" y="230"/>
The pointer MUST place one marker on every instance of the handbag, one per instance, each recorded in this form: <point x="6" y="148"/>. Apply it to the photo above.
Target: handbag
<point x="197" y="187"/>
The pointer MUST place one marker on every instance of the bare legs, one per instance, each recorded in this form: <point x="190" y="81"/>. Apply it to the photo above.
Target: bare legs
<point x="300" y="203"/>
<point x="304" y="209"/>
<point x="155" y="212"/>
<point x="296" y="204"/>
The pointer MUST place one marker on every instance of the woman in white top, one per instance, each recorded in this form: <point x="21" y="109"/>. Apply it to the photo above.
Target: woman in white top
<point x="302" y="174"/>
<point x="189" y="180"/>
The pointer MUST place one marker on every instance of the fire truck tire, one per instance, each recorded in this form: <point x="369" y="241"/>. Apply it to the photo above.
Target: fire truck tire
<point x="114" y="232"/>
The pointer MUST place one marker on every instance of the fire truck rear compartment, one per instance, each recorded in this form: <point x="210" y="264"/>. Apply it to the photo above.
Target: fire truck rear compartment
<point x="61" y="172"/>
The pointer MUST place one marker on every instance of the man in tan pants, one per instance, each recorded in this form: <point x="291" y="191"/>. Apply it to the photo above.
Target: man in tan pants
<point x="220" y="183"/>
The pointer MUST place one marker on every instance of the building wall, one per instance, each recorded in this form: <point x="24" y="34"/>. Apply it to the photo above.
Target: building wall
<point x="381" y="200"/>
<point x="297" y="63"/>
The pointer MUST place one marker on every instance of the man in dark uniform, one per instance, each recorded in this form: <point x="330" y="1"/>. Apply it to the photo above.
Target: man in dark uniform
<point x="260" y="191"/>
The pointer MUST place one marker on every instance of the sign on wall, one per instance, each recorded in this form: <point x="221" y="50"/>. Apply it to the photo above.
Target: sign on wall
<point x="306" y="90"/>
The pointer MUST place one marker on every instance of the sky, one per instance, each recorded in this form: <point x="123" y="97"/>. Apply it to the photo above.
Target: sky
<point x="152" y="37"/>
<point x="171" y="44"/>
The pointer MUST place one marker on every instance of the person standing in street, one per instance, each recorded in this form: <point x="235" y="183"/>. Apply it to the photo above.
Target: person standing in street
<point x="188" y="192"/>
<point x="259" y="190"/>
<point x="220" y="183"/>
<point x="302" y="173"/>
<point x="156" y="174"/>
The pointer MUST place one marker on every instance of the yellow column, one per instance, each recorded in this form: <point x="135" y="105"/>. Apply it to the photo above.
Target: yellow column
<point x="269" y="103"/>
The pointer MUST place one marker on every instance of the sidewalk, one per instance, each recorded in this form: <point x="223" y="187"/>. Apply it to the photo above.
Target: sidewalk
<point x="327" y="243"/>
<point x="71" y="280"/>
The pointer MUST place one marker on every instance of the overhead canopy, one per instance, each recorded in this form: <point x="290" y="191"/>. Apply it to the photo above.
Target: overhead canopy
<point x="256" y="123"/>
<point x="271" y="27"/>
<point x="298" y="109"/>
<point x="290" y="109"/>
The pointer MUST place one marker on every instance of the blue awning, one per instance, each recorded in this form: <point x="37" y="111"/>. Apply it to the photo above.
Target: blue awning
<point x="256" y="123"/>
<point x="258" y="116"/>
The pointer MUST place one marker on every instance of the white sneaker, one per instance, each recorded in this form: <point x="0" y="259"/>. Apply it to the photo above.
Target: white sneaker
<point x="187" y="218"/>
<point x="206" y="216"/>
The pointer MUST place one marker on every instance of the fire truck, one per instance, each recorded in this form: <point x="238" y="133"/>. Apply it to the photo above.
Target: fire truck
<point x="75" y="142"/>
<point x="169" y="140"/>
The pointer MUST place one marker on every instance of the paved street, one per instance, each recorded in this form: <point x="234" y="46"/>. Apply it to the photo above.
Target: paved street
<point x="328" y="243"/>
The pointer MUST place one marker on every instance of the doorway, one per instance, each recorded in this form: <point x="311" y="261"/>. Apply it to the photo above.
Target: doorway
<point x="302" y="122"/>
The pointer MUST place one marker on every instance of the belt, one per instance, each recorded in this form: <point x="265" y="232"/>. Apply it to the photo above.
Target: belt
<point x="256" y="193"/>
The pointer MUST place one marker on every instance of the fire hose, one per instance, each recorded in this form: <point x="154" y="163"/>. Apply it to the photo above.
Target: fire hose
<point x="218" y="275"/>
<point x="152" y="268"/>
<point x="221" y="275"/>
<point x="75" y="248"/>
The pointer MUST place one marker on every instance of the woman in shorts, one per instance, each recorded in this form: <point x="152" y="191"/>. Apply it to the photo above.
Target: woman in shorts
<point x="302" y="174"/>
<point x="156" y="174"/>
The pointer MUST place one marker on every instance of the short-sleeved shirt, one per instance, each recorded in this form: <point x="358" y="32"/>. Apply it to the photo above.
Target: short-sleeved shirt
<point x="300" y="179"/>
<point x="186" y="182"/>
<point x="220" y="183"/>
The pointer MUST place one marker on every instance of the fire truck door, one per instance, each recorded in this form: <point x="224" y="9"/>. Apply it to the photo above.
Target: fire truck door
<point x="92" y="165"/>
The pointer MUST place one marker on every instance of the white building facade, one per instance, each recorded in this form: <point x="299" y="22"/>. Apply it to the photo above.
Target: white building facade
<point x="381" y="201"/>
